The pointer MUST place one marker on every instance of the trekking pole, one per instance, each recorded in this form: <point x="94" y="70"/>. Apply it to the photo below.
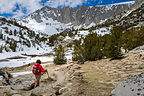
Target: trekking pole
<point x="47" y="74"/>
<point x="49" y="78"/>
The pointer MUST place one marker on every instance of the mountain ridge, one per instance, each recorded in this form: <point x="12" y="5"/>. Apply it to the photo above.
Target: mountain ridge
<point x="60" y="19"/>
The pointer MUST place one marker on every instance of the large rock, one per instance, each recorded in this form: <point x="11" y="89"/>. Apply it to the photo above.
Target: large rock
<point x="43" y="91"/>
<point x="23" y="83"/>
<point x="133" y="86"/>
<point x="10" y="92"/>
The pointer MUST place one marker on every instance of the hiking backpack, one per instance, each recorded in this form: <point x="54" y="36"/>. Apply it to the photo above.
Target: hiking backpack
<point x="35" y="69"/>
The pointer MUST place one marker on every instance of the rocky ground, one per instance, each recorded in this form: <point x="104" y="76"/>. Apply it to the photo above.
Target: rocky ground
<point x="97" y="78"/>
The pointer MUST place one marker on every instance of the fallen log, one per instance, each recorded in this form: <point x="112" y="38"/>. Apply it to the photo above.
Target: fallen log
<point x="6" y="77"/>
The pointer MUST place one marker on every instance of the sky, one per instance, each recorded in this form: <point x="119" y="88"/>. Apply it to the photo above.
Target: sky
<point x="21" y="8"/>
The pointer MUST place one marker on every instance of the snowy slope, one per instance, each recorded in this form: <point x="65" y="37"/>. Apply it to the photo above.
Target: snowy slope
<point x="16" y="38"/>
<point x="48" y="26"/>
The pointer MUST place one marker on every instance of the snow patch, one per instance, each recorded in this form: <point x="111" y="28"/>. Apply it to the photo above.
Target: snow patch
<point x="21" y="73"/>
<point x="48" y="26"/>
<point x="18" y="74"/>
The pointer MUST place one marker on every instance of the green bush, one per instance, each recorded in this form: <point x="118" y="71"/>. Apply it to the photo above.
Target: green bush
<point x="94" y="47"/>
<point x="133" y="38"/>
<point x="60" y="56"/>
<point x="89" y="50"/>
<point x="114" y="47"/>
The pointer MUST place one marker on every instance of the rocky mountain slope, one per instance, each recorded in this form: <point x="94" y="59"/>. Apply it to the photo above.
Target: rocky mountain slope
<point x="133" y="18"/>
<point x="138" y="3"/>
<point x="51" y="20"/>
<point x="129" y="18"/>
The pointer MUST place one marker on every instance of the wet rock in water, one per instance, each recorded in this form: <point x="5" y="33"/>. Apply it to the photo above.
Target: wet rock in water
<point x="133" y="86"/>
<point x="43" y="90"/>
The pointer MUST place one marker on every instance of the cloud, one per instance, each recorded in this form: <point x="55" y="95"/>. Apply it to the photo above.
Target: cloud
<point x="21" y="8"/>
<point x="15" y="7"/>
<point x="64" y="3"/>
<point x="18" y="14"/>
<point x="6" y="6"/>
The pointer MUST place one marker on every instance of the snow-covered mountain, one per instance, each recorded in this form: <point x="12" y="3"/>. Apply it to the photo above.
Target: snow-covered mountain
<point x="131" y="18"/>
<point x="31" y="33"/>
<point x="51" y="20"/>
<point x="17" y="38"/>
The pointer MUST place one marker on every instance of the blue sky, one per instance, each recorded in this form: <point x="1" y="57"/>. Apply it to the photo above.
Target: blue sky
<point x="21" y="8"/>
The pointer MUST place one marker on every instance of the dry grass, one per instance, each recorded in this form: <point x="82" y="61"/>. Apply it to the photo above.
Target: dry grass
<point x="102" y="76"/>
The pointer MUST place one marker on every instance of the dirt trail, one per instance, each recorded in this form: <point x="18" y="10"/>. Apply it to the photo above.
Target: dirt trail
<point x="102" y="76"/>
<point x="61" y="76"/>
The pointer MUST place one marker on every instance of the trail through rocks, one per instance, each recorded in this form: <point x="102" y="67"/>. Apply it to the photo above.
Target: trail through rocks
<point x="97" y="78"/>
<point x="59" y="74"/>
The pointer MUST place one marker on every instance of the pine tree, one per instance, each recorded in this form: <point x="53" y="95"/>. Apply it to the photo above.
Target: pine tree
<point x="78" y="54"/>
<point x="13" y="45"/>
<point x="6" y="30"/>
<point x="93" y="47"/>
<point x="15" y="32"/>
<point x="60" y="56"/>
<point x="21" y="35"/>
<point x="114" y="50"/>
<point x="1" y="48"/>
<point x="1" y="36"/>
<point x="10" y="32"/>
<point x="53" y="39"/>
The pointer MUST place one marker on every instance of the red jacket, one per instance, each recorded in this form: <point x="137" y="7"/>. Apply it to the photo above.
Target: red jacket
<point x="40" y="68"/>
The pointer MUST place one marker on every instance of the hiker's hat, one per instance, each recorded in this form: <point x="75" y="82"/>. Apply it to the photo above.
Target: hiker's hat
<point x="38" y="61"/>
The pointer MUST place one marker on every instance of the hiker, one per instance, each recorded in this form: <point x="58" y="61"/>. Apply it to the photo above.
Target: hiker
<point x="37" y="71"/>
